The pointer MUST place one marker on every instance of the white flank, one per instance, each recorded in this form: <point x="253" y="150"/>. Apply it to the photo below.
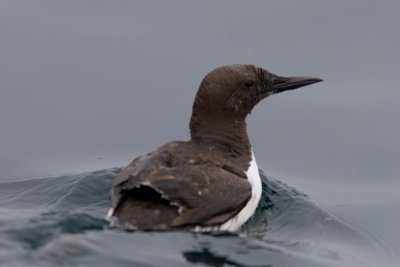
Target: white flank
<point x="109" y="214"/>
<point x="254" y="179"/>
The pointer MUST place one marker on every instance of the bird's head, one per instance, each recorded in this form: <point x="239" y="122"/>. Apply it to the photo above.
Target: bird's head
<point x="236" y="89"/>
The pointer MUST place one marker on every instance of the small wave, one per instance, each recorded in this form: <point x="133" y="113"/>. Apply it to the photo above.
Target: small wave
<point x="62" y="218"/>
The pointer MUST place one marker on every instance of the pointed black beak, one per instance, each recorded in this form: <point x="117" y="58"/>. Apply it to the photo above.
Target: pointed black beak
<point x="282" y="84"/>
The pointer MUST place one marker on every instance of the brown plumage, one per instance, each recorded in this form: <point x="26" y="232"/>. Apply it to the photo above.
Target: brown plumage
<point x="201" y="182"/>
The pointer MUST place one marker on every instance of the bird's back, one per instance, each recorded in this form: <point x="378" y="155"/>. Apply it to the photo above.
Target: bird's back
<point x="180" y="185"/>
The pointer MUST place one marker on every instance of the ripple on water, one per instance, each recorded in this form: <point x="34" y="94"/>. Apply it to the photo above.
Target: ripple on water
<point x="53" y="221"/>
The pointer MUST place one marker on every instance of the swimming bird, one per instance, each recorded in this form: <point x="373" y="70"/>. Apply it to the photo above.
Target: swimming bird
<point x="210" y="182"/>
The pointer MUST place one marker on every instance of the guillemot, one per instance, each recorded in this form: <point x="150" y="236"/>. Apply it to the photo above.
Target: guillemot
<point x="210" y="182"/>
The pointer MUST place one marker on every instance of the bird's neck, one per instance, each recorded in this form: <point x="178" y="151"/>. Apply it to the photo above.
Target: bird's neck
<point x="221" y="129"/>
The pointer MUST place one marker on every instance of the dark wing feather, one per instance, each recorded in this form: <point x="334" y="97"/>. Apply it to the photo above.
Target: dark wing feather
<point x="187" y="196"/>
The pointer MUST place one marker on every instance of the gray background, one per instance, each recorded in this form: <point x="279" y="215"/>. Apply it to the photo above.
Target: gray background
<point x="87" y="85"/>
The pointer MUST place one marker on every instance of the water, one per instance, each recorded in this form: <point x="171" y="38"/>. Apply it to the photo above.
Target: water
<point x="60" y="221"/>
<point x="85" y="87"/>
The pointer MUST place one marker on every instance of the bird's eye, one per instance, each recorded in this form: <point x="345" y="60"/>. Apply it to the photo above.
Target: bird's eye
<point x="249" y="83"/>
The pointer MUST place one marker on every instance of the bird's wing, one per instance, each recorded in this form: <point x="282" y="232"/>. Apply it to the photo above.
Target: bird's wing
<point x="149" y="195"/>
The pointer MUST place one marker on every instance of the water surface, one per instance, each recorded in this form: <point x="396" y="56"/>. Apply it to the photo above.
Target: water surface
<point x="60" y="221"/>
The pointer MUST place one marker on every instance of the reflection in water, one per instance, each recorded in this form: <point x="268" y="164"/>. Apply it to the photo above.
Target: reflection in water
<point x="209" y="258"/>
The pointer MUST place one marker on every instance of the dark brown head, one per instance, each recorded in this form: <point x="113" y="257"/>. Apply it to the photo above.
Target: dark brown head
<point x="227" y="94"/>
